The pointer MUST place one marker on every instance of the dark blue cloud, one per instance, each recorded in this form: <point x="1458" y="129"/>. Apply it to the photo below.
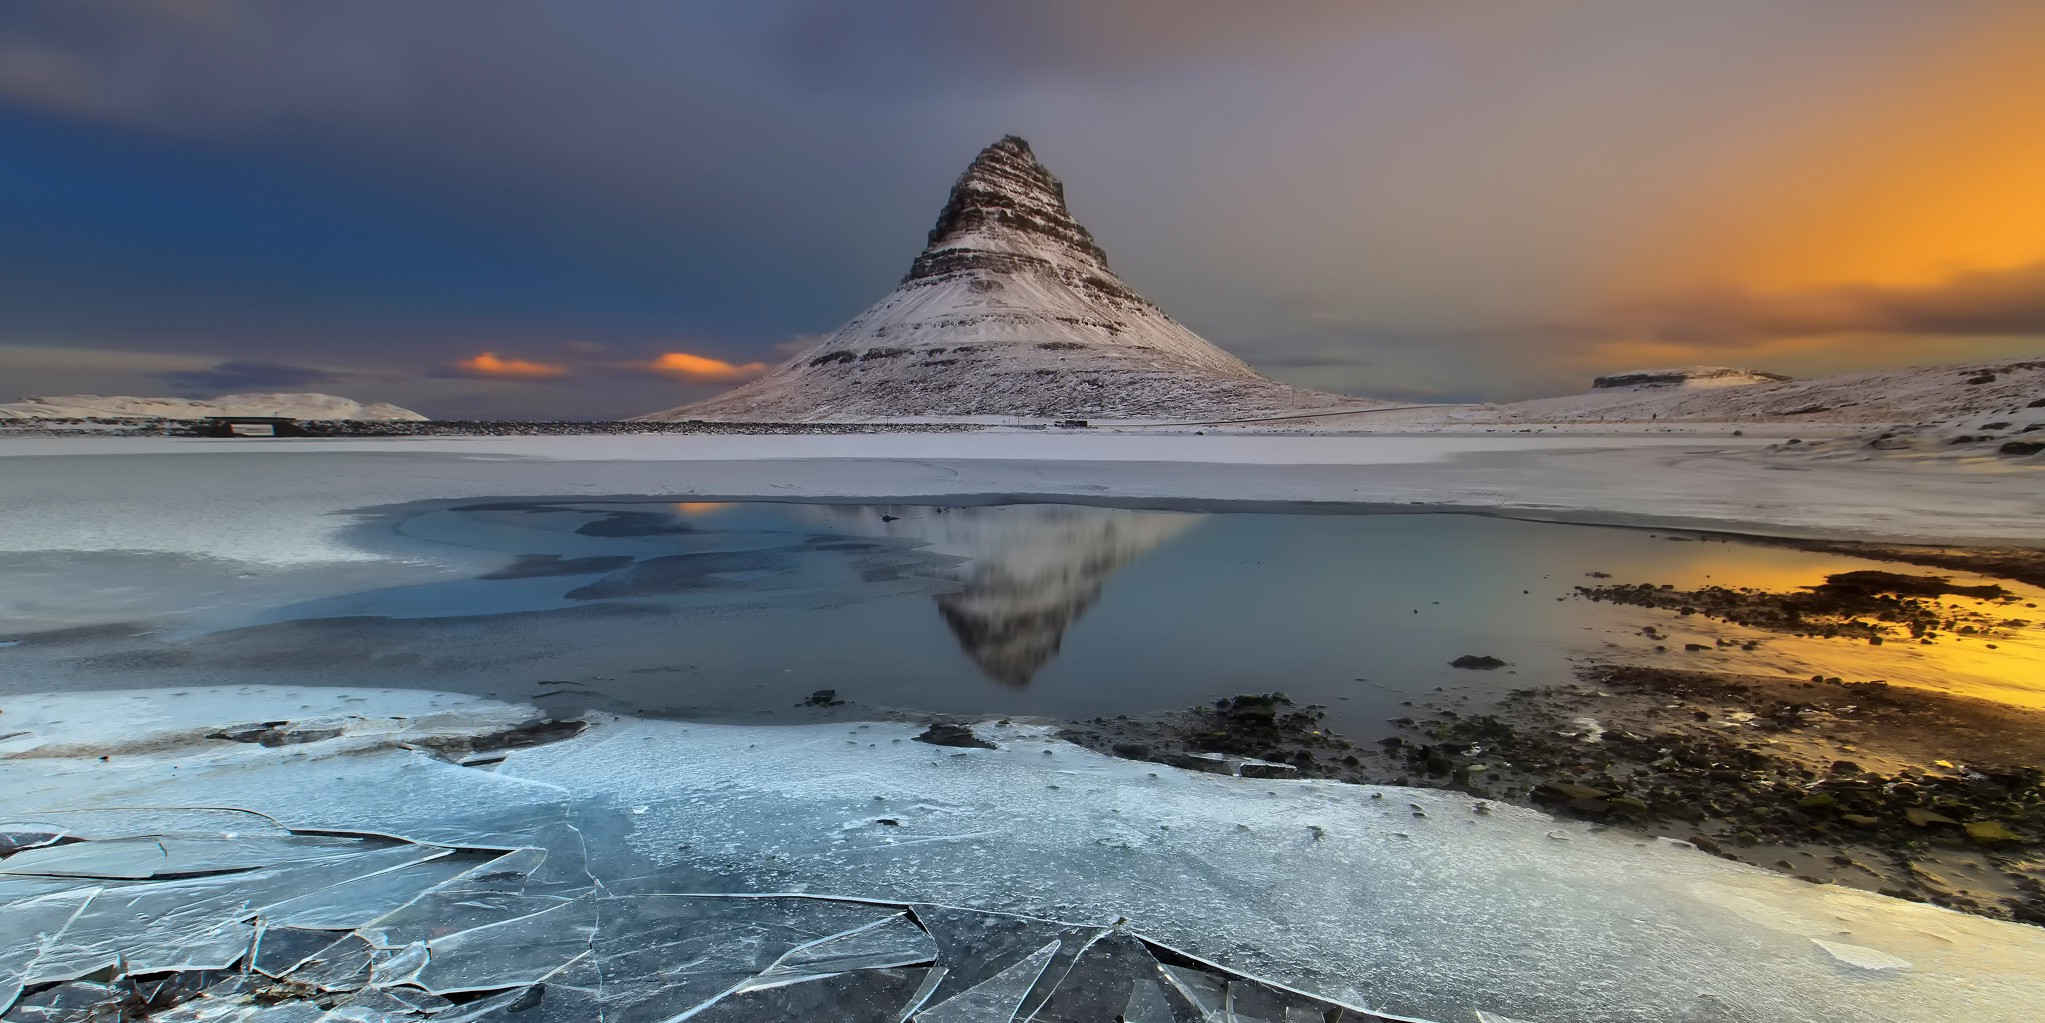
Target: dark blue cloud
<point x="227" y="377"/>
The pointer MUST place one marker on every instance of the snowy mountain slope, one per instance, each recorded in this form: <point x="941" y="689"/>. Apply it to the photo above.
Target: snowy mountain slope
<point x="295" y="406"/>
<point x="1010" y="310"/>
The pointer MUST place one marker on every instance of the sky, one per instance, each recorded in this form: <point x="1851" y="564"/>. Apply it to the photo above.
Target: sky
<point x="519" y="209"/>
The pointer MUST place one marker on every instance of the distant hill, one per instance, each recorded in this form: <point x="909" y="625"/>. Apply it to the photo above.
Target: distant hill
<point x="1688" y="376"/>
<point x="294" y="406"/>
<point x="1918" y="394"/>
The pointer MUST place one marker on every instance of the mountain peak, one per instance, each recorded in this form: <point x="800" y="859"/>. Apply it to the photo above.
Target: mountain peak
<point x="1010" y="310"/>
<point x="1006" y="202"/>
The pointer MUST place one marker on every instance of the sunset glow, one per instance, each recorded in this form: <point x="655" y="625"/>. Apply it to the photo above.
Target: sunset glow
<point x="490" y="364"/>
<point x="700" y="367"/>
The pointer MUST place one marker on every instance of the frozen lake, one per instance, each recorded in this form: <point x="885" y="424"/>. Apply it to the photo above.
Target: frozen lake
<point x="236" y="677"/>
<point x="744" y="609"/>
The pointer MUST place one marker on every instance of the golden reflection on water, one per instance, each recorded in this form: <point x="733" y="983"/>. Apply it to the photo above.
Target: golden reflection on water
<point x="2003" y="663"/>
<point x="688" y="509"/>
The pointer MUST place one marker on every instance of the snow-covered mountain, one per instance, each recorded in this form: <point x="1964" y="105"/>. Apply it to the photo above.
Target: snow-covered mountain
<point x="294" y="406"/>
<point x="1011" y="310"/>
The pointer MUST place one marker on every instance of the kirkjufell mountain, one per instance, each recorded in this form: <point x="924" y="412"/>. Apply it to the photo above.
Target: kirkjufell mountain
<point x="1011" y="310"/>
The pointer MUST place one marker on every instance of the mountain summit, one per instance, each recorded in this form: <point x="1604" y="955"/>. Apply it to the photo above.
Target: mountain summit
<point x="1010" y="310"/>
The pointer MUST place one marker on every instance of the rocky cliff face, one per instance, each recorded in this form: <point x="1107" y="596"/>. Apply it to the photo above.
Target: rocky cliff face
<point x="1010" y="310"/>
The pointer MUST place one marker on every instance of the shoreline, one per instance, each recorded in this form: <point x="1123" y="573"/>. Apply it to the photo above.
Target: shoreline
<point x="1824" y="780"/>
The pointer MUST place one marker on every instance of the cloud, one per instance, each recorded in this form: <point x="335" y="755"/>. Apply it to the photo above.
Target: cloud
<point x="700" y="367"/>
<point x="225" y="377"/>
<point x="490" y="364"/>
<point x="1974" y="304"/>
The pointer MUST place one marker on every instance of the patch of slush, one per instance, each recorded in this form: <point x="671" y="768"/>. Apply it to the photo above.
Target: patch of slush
<point x="1341" y="890"/>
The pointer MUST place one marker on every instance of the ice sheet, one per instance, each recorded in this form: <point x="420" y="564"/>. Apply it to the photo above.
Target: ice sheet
<point x="1310" y="884"/>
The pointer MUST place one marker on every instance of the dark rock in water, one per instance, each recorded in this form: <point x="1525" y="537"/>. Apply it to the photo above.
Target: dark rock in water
<point x="1990" y="832"/>
<point x="823" y="698"/>
<point x="2021" y="447"/>
<point x="1875" y="581"/>
<point x="953" y="735"/>
<point x="1196" y="762"/>
<point x="1132" y="750"/>
<point x="1270" y="771"/>
<point x="1925" y="818"/>
<point x="1477" y="662"/>
<point x="1567" y="791"/>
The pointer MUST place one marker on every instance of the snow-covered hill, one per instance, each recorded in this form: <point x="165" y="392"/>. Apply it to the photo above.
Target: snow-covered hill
<point x="295" y="406"/>
<point x="1011" y="310"/>
<point x="1916" y="395"/>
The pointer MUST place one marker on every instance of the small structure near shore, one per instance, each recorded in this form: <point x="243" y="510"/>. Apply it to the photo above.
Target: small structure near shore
<point x="250" y="426"/>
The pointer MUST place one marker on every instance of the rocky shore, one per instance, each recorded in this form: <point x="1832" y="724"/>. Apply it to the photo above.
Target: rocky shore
<point x="1912" y="793"/>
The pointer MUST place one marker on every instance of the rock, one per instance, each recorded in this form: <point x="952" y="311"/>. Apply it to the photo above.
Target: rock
<point x="1477" y="662"/>
<point x="1817" y="801"/>
<point x="1860" y="820"/>
<point x="1196" y="762"/>
<point x="1990" y="832"/>
<point x="1925" y="818"/>
<point x="1567" y="790"/>
<point x="823" y="698"/>
<point x="2021" y="447"/>
<point x="1270" y="771"/>
<point x="1132" y="750"/>
<point x="953" y="735"/>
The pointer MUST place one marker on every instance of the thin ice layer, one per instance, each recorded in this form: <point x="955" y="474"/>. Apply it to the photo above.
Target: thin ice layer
<point x="1312" y="884"/>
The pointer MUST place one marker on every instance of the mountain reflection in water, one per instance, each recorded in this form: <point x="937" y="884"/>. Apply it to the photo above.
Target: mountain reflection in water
<point x="1028" y="571"/>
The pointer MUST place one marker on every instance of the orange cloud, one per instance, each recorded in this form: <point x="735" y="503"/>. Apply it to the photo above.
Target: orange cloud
<point x="699" y="367"/>
<point x="490" y="364"/>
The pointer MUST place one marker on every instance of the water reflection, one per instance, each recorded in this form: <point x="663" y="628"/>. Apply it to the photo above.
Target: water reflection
<point x="1028" y="571"/>
<point x="749" y="607"/>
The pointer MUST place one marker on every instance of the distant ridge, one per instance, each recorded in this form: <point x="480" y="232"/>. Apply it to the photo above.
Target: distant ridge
<point x="1010" y="310"/>
<point x="291" y="406"/>
<point x="1688" y="376"/>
